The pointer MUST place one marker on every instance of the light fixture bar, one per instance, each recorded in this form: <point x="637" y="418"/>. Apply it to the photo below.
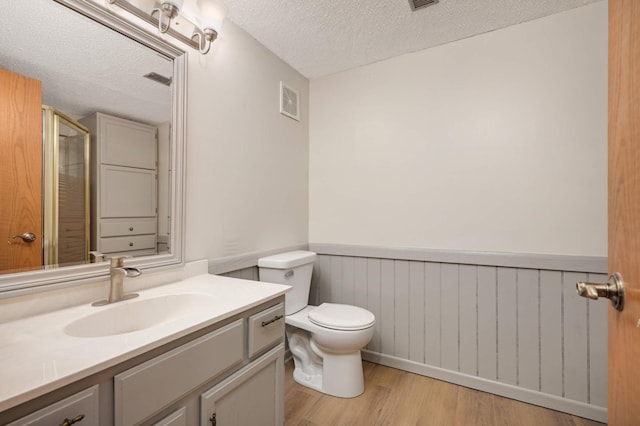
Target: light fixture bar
<point x="153" y="21"/>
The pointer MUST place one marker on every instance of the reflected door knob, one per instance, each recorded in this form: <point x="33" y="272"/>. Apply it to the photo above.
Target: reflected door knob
<point x="612" y="290"/>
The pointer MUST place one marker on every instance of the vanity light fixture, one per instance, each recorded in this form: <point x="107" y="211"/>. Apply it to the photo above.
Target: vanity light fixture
<point x="207" y="18"/>
<point x="168" y="9"/>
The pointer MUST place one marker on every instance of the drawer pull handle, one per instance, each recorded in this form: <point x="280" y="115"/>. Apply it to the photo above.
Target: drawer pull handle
<point x="130" y="244"/>
<point x="69" y="422"/>
<point x="131" y="228"/>
<point x="272" y="320"/>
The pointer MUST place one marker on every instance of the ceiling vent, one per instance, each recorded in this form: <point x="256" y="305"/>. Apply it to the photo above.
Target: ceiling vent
<point x="419" y="4"/>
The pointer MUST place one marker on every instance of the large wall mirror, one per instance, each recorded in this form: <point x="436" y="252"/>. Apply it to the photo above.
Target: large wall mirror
<point x="92" y="145"/>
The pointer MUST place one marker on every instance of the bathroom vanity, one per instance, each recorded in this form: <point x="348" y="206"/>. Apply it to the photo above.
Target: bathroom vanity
<point x="207" y="350"/>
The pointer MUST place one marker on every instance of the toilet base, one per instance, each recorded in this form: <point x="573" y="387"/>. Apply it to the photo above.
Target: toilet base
<point x="333" y="374"/>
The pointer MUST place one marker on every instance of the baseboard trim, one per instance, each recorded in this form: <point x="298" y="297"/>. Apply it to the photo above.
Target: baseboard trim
<point x="553" y="262"/>
<point x="222" y="265"/>
<point x="514" y="392"/>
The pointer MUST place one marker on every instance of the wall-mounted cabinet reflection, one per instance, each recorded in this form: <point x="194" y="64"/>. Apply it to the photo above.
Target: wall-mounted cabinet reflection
<point x="124" y="179"/>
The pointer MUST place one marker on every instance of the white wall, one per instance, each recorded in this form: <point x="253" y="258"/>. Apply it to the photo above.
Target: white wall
<point x="247" y="165"/>
<point x="493" y="143"/>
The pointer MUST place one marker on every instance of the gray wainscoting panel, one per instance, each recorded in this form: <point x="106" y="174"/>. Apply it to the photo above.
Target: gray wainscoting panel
<point x="374" y="299"/>
<point x="515" y="328"/>
<point x="487" y="322"/>
<point x="417" y="320"/>
<point x="507" y="326"/>
<point x="468" y="319"/>
<point x="432" y="315"/>
<point x="250" y="273"/>
<point x="518" y="332"/>
<point x="597" y="317"/>
<point x="551" y="332"/>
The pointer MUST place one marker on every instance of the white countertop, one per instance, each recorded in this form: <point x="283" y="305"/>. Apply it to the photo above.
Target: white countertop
<point x="36" y="356"/>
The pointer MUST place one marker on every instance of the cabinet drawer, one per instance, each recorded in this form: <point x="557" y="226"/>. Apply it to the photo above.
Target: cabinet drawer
<point x="153" y="385"/>
<point x="127" y="227"/>
<point x="133" y="242"/>
<point x="266" y="329"/>
<point x="84" y="403"/>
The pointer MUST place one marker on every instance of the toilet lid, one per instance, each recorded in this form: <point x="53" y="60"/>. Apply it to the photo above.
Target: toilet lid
<point x="341" y="317"/>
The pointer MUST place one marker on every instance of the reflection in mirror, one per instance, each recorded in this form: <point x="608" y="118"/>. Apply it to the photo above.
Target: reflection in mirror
<point x="89" y="140"/>
<point x="66" y="214"/>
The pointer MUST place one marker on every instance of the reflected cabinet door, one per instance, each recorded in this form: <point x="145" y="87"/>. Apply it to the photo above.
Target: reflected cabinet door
<point x="127" y="143"/>
<point x="127" y="192"/>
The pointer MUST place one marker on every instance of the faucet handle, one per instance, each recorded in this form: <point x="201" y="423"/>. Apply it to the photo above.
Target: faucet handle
<point x="118" y="261"/>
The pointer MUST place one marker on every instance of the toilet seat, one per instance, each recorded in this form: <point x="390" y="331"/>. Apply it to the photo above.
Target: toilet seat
<point x="341" y="317"/>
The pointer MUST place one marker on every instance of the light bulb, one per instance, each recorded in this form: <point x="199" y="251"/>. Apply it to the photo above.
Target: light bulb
<point x="176" y="3"/>
<point x="212" y="13"/>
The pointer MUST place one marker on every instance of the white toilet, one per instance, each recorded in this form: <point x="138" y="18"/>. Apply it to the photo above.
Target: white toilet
<point x="325" y="340"/>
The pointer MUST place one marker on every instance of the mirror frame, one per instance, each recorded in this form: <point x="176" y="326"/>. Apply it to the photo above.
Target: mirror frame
<point x="57" y="277"/>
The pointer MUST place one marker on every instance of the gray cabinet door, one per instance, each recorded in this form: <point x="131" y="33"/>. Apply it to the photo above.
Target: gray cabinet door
<point x="252" y="396"/>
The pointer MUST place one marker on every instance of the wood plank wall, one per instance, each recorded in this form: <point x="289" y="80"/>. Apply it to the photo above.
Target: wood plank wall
<point x="513" y="328"/>
<point x="521" y="327"/>
<point x="250" y="273"/>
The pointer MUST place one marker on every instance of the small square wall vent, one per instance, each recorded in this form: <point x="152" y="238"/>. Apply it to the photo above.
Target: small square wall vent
<point x="289" y="102"/>
<point x="419" y="4"/>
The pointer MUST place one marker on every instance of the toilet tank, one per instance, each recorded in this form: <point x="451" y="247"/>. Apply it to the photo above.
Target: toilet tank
<point x="292" y="268"/>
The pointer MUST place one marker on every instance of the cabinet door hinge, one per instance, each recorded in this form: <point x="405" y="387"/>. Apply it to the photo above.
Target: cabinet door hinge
<point x="212" y="419"/>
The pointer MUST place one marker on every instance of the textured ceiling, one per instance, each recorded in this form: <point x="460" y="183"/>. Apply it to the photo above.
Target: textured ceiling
<point x="83" y="66"/>
<point x="86" y="68"/>
<point x="322" y="37"/>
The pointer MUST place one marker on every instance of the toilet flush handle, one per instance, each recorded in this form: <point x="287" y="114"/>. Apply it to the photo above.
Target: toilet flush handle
<point x="289" y="273"/>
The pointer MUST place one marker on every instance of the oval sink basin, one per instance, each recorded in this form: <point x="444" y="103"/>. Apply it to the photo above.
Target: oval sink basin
<point x="137" y="314"/>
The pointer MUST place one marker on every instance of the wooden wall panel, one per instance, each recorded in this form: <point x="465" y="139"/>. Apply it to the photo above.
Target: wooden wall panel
<point x="507" y="326"/>
<point x="468" y="308"/>
<point x="416" y="311"/>
<point x="335" y="280"/>
<point x="528" y="329"/>
<point x="432" y="316"/>
<point x="487" y="323"/>
<point x="374" y="301"/>
<point x="360" y="282"/>
<point x="521" y="327"/>
<point x="348" y="280"/>
<point x="449" y="314"/>
<point x="387" y="308"/>
<point x="401" y="306"/>
<point x="322" y="273"/>
<point x="598" y="332"/>
<point x="551" y="332"/>
<point x="250" y="273"/>
<point x="575" y="322"/>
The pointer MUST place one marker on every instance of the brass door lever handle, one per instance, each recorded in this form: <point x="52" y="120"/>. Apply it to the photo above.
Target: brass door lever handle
<point x="612" y="290"/>
<point x="27" y="237"/>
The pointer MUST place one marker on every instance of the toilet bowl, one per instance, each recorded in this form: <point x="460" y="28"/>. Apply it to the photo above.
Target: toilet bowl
<point x="328" y="359"/>
<point x="324" y="340"/>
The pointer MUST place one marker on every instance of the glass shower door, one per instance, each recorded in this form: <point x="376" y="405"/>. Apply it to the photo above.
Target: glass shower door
<point x="66" y="148"/>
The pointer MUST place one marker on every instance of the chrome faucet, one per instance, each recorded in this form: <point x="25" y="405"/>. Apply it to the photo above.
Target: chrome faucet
<point x="117" y="273"/>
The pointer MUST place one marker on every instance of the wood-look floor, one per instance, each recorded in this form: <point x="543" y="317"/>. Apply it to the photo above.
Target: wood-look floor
<point x="395" y="397"/>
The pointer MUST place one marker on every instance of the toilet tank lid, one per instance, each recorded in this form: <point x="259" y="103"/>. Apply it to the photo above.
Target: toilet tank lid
<point x="287" y="260"/>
